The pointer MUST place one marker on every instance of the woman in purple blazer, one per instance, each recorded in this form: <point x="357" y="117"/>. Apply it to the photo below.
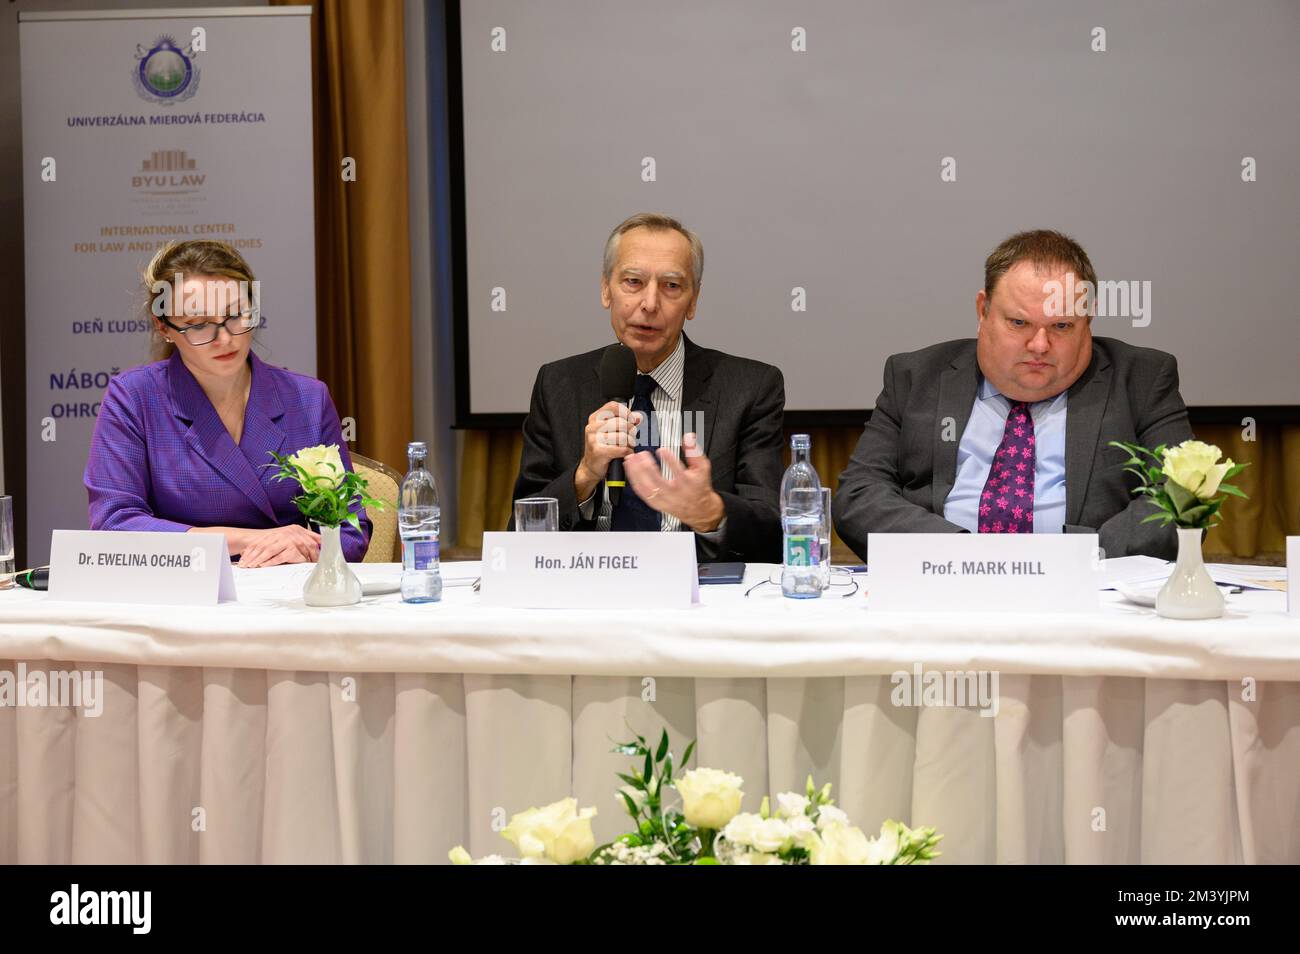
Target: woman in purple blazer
<point x="180" y="444"/>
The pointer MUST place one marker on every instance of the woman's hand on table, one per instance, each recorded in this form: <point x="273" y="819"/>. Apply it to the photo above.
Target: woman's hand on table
<point x="291" y="544"/>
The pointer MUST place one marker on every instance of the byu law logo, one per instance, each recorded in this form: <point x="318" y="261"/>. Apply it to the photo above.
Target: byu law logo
<point x="103" y="907"/>
<point x="165" y="73"/>
<point x="168" y="172"/>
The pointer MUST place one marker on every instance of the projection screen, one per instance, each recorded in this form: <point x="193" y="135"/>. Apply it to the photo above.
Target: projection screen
<point x="850" y="165"/>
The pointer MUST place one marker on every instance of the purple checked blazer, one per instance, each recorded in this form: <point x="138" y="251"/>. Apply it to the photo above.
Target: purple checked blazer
<point x="161" y="459"/>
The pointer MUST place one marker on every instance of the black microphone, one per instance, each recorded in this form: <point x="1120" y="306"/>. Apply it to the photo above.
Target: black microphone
<point x="34" y="579"/>
<point x="617" y="383"/>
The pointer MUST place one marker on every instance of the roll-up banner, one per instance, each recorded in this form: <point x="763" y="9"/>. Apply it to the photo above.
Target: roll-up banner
<point x="142" y="127"/>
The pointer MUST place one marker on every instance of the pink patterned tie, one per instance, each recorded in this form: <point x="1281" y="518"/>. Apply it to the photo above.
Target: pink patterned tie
<point x="1007" y="504"/>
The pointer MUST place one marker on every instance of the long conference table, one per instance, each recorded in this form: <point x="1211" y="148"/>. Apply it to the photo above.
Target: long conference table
<point x="265" y="731"/>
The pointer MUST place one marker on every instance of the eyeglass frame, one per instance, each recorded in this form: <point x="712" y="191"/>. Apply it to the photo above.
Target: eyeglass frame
<point x="835" y="571"/>
<point x="224" y="323"/>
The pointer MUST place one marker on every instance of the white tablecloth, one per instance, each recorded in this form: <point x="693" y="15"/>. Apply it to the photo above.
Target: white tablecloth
<point x="267" y="731"/>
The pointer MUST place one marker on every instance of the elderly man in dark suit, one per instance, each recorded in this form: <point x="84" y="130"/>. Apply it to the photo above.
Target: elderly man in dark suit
<point x="701" y="439"/>
<point x="1009" y="432"/>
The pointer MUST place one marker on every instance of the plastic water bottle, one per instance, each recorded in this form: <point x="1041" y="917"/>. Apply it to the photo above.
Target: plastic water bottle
<point x="418" y="521"/>
<point x="801" y="524"/>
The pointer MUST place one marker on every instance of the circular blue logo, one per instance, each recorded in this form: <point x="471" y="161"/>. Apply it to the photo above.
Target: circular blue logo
<point x="165" y="72"/>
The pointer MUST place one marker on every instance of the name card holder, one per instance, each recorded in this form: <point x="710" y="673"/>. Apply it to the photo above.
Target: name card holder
<point x="982" y="572"/>
<point x="589" y="570"/>
<point x="129" y="566"/>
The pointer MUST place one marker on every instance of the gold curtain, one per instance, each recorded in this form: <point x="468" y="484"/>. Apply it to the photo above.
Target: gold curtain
<point x="1259" y="525"/>
<point x="1262" y="523"/>
<point x="363" y="302"/>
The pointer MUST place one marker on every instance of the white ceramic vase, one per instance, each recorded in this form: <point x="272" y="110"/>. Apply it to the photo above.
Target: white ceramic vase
<point x="1189" y="592"/>
<point x="332" y="582"/>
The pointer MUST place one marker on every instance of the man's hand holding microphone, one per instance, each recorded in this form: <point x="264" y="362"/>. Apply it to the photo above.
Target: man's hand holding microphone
<point x="610" y="438"/>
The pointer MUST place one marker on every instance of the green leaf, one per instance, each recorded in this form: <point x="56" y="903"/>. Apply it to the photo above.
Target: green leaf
<point x="687" y="757"/>
<point x="1142" y="477"/>
<point x="630" y="805"/>
<point x="1160" y="516"/>
<point x="1235" y="469"/>
<point x="1234" y="491"/>
<point x="668" y="770"/>
<point x="632" y="780"/>
<point x="1196" y="515"/>
<point x="625" y="748"/>
<point x="663" y="747"/>
<point x="649" y="765"/>
<point x="355" y="521"/>
<point x="1180" y="496"/>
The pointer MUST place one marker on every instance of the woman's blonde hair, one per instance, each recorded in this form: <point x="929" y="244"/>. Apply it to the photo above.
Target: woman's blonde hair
<point x="199" y="257"/>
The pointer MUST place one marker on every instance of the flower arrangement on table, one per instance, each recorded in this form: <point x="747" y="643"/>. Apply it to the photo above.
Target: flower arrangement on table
<point x="707" y="827"/>
<point x="330" y="494"/>
<point x="1188" y="485"/>
<point x="330" y="497"/>
<point x="1185" y="482"/>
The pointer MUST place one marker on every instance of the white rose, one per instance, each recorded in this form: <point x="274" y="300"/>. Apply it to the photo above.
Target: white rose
<point x="740" y="830"/>
<point x="756" y="858"/>
<point x="574" y="840"/>
<point x="829" y="815"/>
<point x="802" y="830"/>
<point x="840" y="845"/>
<point x="323" y="462"/>
<point x="557" y="832"/>
<point x="459" y="856"/>
<point x="524" y="832"/>
<point x="710" y="798"/>
<point x="790" y="804"/>
<point x="1194" y="466"/>
<point x="882" y="849"/>
<point x="772" y="834"/>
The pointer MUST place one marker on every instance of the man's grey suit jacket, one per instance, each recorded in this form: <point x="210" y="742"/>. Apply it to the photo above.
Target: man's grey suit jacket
<point x="905" y="464"/>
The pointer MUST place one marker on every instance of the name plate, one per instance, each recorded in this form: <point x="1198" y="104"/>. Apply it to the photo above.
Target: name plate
<point x="1293" y="575"/>
<point x="589" y="570"/>
<point x="128" y="566"/>
<point x="999" y="572"/>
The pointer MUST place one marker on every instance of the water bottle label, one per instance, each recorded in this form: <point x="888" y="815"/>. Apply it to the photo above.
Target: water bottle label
<point x="802" y="550"/>
<point x="424" y="554"/>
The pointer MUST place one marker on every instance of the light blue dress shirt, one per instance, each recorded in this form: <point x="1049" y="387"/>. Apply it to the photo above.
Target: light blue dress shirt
<point x="979" y="442"/>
